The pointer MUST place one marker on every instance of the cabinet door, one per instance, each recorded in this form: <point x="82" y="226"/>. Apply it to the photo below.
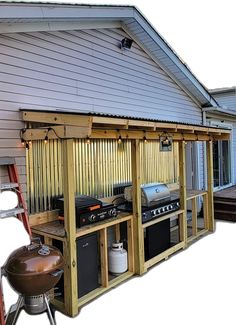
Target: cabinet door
<point x="87" y="261"/>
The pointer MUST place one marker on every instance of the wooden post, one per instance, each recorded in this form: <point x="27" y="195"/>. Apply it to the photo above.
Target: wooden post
<point x="70" y="275"/>
<point x="182" y="190"/>
<point x="210" y="184"/>
<point x="130" y="233"/>
<point x="206" y="211"/>
<point x="104" y="258"/>
<point x="194" y="217"/>
<point x="137" y="213"/>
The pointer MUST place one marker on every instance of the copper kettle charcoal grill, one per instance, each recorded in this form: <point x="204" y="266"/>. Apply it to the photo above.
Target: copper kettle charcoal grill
<point x="32" y="271"/>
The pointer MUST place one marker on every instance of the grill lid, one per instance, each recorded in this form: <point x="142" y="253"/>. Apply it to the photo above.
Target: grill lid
<point x="151" y="194"/>
<point x="34" y="260"/>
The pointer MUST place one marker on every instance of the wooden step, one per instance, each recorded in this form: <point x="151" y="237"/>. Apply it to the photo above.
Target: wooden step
<point x="226" y="212"/>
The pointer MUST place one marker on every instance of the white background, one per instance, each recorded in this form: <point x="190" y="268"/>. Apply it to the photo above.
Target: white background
<point x="195" y="286"/>
<point x="198" y="285"/>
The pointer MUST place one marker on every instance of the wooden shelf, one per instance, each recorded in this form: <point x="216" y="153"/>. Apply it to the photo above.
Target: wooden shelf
<point x="164" y="255"/>
<point x="97" y="292"/>
<point x="59" y="304"/>
<point x="190" y="194"/>
<point x="56" y="230"/>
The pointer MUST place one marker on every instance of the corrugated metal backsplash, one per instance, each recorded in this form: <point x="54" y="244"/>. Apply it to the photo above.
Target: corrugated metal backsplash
<point x="99" y="167"/>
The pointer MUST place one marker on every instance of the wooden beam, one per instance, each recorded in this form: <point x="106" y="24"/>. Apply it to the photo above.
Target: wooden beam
<point x="55" y="132"/>
<point x="57" y="118"/>
<point x="182" y="190"/>
<point x="137" y="213"/>
<point x="210" y="185"/>
<point x="110" y="121"/>
<point x="70" y="275"/>
<point x="225" y="136"/>
<point x="138" y="134"/>
<point x="70" y="131"/>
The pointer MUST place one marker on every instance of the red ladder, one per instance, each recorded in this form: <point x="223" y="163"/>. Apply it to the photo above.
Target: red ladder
<point x="20" y="212"/>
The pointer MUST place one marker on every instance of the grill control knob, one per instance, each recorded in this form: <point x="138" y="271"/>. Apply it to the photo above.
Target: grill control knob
<point x="112" y="212"/>
<point x="92" y="217"/>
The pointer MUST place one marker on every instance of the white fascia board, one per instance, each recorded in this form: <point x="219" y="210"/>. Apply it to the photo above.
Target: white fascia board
<point x="56" y="26"/>
<point x="222" y="114"/>
<point x="51" y="11"/>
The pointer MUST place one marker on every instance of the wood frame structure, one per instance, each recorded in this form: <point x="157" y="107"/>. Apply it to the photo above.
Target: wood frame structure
<point x="69" y="126"/>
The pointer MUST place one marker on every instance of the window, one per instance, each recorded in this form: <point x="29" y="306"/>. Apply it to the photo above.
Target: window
<point x="221" y="163"/>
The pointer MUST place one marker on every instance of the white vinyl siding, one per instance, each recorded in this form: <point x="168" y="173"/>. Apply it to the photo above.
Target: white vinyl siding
<point x="227" y="99"/>
<point x="82" y="71"/>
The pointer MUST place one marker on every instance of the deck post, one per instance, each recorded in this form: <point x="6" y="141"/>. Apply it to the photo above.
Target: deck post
<point x="183" y="192"/>
<point x="70" y="271"/>
<point x="137" y="213"/>
<point x="210" y="184"/>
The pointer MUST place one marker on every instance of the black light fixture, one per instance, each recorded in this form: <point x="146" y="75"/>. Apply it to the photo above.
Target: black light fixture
<point x="126" y="43"/>
<point x="166" y="143"/>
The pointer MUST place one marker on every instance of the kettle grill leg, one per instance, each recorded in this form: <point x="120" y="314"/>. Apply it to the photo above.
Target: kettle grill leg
<point x="14" y="312"/>
<point x="51" y="314"/>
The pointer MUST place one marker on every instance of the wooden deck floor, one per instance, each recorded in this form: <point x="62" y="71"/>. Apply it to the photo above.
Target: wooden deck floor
<point x="225" y="204"/>
<point x="228" y="193"/>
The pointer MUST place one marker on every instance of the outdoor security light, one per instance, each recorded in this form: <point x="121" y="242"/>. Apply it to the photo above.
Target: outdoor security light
<point x="126" y="43"/>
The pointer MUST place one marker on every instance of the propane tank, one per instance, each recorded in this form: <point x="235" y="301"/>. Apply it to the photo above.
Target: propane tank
<point x="117" y="262"/>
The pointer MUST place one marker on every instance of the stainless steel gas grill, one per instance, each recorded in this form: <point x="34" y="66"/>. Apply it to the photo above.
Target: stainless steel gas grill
<point x="156" y="200"/>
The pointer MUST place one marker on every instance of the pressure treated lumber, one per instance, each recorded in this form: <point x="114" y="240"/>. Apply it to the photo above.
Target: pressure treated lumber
<point x="210" y="184"/>
<point x="182" y="190"/>
<point x="137" y="213"/>
<point x="70" y="272"/>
